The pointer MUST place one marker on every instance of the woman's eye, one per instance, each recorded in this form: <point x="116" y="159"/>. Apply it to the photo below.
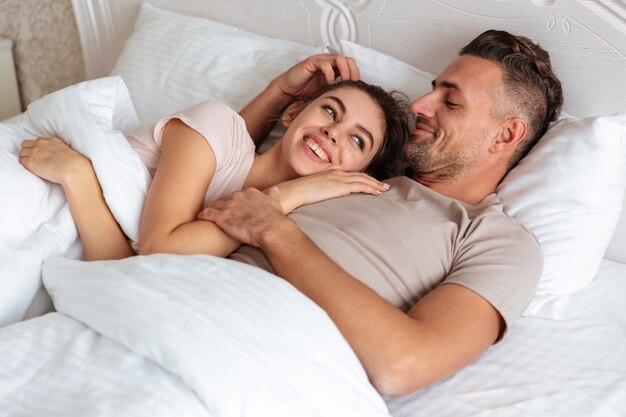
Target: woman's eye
<point x="359" y="142"/>
<point x="330" y="111"/>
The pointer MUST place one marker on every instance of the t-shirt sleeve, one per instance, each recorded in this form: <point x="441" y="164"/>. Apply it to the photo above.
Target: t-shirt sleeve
<point x="216" y="122"/>
<point x="501" y="261"/>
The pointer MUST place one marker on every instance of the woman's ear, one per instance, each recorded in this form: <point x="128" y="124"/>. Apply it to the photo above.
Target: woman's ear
<point x="512" y="133"/>
<point x="292" y="111"/>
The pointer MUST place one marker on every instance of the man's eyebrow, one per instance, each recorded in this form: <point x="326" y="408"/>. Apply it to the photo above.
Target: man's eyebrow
<point x="358" y="126"/>
<point x="447" y="84"/>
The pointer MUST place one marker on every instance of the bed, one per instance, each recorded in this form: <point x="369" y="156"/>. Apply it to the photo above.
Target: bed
<point x="97" y="355"/>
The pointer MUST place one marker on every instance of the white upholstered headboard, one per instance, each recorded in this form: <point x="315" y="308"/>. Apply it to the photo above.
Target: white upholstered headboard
<point x="586" y="39"/>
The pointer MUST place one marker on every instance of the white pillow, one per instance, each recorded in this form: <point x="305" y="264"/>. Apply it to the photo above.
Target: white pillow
<point x="172" y="61"/>
<point x="387" y="71"/>
<point x="569" y="193"/>
<point x="617" y="248"/>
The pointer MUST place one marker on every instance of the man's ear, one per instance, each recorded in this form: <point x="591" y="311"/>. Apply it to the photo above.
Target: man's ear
<point x="513" y="131"/>
<point x="292" y="111"/>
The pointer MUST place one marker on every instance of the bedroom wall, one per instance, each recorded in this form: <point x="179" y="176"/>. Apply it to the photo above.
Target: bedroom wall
<point x="46" y="45"/>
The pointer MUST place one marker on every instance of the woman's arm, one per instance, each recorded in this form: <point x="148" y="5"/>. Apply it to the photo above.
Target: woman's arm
<point x="324" y="186"/>
<point x="185" y="170"/>
<point x="319" y="187"/>
<point x="52" y="159"/>
<point x="297" y="83"/>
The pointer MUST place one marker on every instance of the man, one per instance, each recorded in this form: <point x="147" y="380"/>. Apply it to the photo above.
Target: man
<point x="423" y="279"/>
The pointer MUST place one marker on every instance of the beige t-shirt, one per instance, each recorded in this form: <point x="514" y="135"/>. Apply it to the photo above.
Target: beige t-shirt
<point x="411" y="239"/>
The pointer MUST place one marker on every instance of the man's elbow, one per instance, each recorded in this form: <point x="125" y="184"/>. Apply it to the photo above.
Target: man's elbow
<point x="403" y="376"/>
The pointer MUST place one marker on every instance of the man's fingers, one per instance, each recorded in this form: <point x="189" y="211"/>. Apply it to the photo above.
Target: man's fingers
<point x="327" y="68"/>
<point x="355" y="74"/>
<point x="346" y="68"/>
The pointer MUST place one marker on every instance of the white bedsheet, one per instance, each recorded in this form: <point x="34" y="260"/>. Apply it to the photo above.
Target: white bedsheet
<point x="35" y="220"/>
<point x="570" y="368"/>
<point x="244" y="341"/>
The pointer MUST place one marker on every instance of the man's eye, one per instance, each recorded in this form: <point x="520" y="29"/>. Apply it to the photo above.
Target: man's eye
<point x="330" y="111"/>
<point x="359" y="142"/>
<point x="451" y="104"/>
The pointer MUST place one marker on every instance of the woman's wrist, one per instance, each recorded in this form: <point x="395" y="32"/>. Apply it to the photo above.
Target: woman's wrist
<point x="78" y="174"/>
<point x="286" y="196"/>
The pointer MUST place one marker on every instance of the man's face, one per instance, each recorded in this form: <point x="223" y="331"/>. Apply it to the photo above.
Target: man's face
<point x="455" y="122"/>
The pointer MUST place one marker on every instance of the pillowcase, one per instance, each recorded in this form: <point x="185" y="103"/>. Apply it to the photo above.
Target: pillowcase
<point x="617" y="248"/>
<point x="172" y="61"/>
<point x="568" y="191"/>
<point x="386" y="71"/>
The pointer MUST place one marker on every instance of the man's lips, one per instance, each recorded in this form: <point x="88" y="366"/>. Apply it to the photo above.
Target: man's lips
<point x="422" y="126"/>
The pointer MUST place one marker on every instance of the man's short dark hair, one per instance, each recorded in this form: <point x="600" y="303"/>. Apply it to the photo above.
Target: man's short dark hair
<point x="531" y="88"/>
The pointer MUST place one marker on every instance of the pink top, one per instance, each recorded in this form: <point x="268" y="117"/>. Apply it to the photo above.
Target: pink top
<point x="223" y="129"/>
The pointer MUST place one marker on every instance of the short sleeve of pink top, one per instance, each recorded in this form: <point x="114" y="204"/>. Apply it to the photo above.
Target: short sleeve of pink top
<point x="222" y="128"/>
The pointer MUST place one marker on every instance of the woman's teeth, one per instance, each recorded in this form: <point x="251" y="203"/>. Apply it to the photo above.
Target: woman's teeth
<point x="318" y="151"/>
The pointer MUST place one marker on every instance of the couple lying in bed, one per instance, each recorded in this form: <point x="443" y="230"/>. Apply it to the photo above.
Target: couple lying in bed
<point x="375" y="260"/>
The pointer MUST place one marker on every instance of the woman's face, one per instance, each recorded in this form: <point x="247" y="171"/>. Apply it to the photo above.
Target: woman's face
<point x="342" y="129"/>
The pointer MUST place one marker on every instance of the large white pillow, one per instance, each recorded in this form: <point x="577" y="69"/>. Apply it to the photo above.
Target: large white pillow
<point x="386" y="71"/>
<point x="569" y="192"/>
<point x="172" y="61"/>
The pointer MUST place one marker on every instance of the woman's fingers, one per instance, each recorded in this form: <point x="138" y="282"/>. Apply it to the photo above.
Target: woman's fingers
<point x="357" y="178"/>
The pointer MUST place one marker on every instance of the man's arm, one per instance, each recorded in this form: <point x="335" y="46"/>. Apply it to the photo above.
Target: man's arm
<point x="297" y="83"/>
<point x="401" y="352"/>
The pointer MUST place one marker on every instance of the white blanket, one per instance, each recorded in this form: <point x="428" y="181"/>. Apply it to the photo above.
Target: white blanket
<point x="35" y="220"/>
<point x="244" y="341"/>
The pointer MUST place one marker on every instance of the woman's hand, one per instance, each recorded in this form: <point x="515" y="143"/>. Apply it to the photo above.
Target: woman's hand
<point x="326" y="185"/>
<point x="53" y="160"/>
<point x="305" y="78"/>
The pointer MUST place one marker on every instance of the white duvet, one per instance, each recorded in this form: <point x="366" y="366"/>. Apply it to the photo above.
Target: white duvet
<point x="35" y="221"/>
<point x="178" y="335"/>
<point x="147" y="336"/>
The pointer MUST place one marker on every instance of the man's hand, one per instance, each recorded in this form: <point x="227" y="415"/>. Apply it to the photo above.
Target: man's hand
<point x="299" y="82"/>
<point x="305" y="78"/>
<point x="247" y="215"/>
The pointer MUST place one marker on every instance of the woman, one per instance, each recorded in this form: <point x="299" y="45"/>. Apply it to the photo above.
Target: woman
<point x="205" y="152"/>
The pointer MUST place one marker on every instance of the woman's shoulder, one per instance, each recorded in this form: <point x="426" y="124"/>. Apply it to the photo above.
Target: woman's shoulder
<point x="210" y="109"/>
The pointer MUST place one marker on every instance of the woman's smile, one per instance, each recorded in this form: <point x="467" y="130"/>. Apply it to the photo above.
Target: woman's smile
<point x="315" y="147"/>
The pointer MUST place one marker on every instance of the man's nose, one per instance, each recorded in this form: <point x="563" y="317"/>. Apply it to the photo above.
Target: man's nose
<point x="424" y="105"/>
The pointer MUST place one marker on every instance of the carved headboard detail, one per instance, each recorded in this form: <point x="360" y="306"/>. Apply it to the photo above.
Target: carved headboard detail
<point x="586" y="39"/>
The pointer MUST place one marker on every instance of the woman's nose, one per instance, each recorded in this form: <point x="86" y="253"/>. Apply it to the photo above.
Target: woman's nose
<point x="331" y="134"/>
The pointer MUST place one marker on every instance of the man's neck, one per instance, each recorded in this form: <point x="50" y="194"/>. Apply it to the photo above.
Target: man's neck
<point x="470" y="191"/>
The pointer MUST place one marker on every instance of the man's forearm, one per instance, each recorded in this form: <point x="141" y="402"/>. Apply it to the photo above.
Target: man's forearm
<point x="401" y="352"/>
<point x="260" y="114"/>
<point x="383" y="337"/>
